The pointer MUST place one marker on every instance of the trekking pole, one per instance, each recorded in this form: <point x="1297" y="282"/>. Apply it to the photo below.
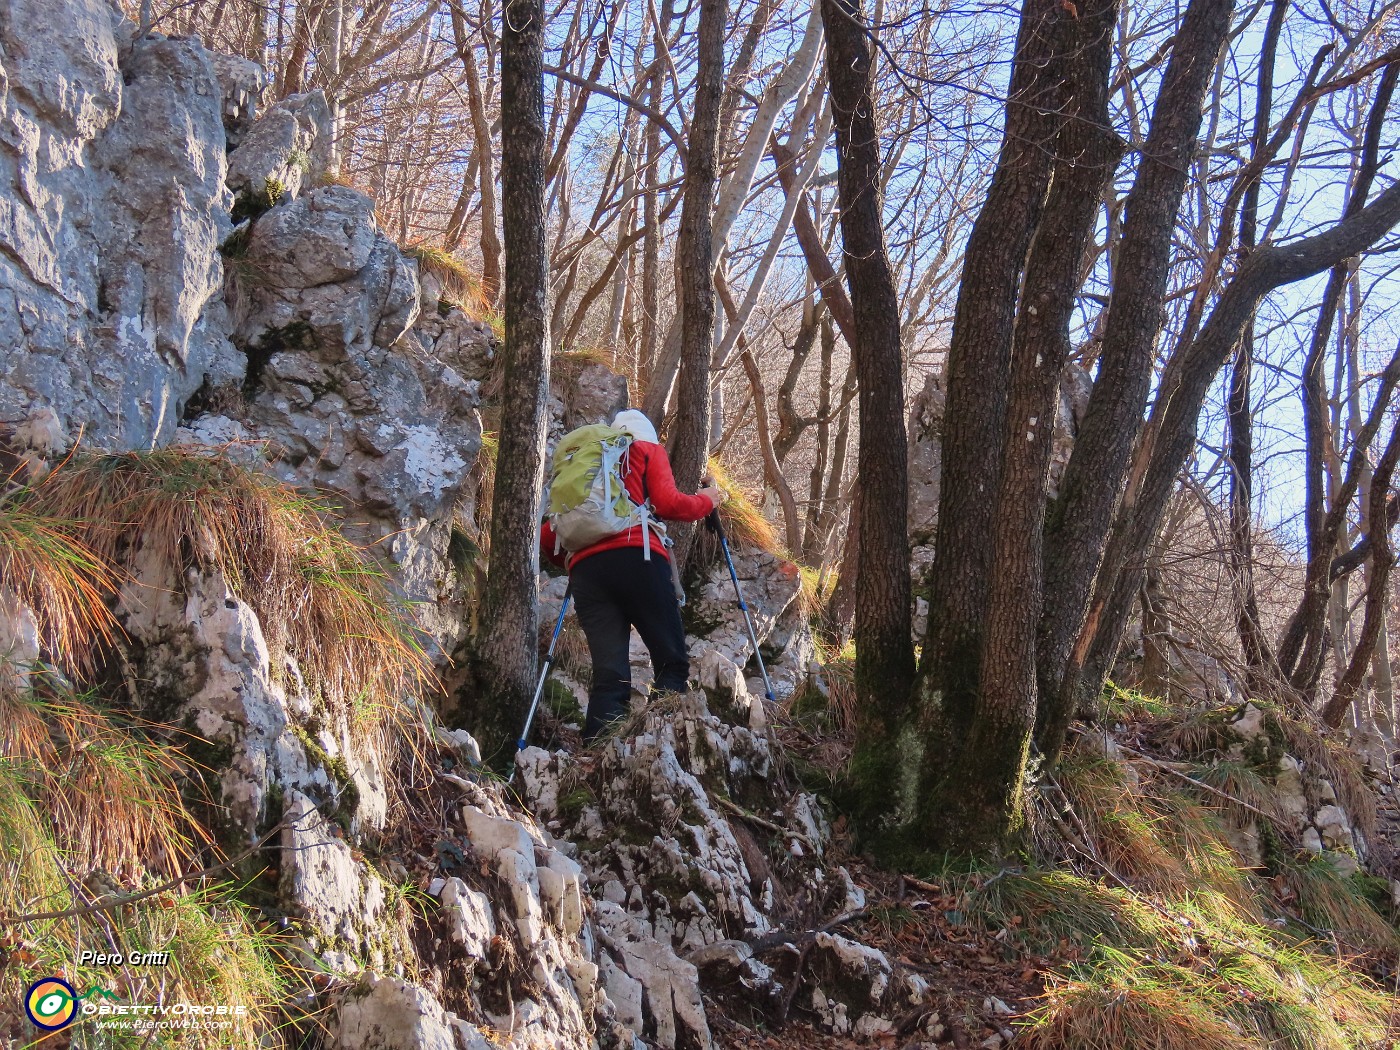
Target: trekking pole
<point x="544" y="674"/>
<point x="715" y="526"/>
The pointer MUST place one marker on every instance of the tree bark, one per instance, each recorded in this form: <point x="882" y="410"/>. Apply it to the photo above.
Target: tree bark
<point x="772" y="469"/>
<point x="976" y="798"/>
<point x="978" y="375"/>
<point x="486" y="181"/>
<point x="507" y="646"/>
<point x="809" y="239"/>
<point x="1156" y="627"/>
<point x="689" y="441"/>
<point x="884" y="671"/>
<point x="1079" y="520"/>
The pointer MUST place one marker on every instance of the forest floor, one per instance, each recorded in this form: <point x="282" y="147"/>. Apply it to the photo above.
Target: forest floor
<point x="982" y="981"/>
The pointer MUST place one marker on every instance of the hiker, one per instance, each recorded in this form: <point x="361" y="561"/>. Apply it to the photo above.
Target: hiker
<point x="625" y="579"/>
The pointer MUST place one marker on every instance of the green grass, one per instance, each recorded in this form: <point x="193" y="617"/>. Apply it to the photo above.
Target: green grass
<point x="90" y="806"/>
<point x="1166" y="943"/>
<point x="1121" y="704"/>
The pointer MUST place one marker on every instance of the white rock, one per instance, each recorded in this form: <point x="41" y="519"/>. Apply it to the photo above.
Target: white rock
<point x="520" y="873"/>
<point x="860" y="963"/>
<point x="1334" y="827"/>
<point x="1288" y="787"/>
<point x="321" y="876"/>
<point x="671" y="985"/>
<point x="1250" y="725"/>
<point x="470" y="918"/>
<point x="394" y="1015"/>
<point x="872" y="1026"/>
<point x="489" y="835"/>
<point x="1345" y="864"/>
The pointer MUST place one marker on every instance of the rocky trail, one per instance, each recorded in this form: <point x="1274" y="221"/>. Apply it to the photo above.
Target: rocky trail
<point x="195" y="305"/>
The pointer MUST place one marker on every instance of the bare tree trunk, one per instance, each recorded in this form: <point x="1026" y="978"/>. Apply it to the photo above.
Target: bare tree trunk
<point x="809" y="239"/>
<point x="1382" y="561"/>
<point x="1156" y="627"/>
<point x="1171" y="431"/>
<point x="791" y="424"/>
<point x="976" y="798"/>
<point x="1302" y="641"/>
<point x="841" y="609"/>
<point x="979" y="366"/>
<point x="1259" y="658"/>
<point x="772" y="470"/>
<point x="1079" y="520"/>
<point x="811" y="545"/>
<point x="689" y="440"/>
<point x="506" y="648"/>
<point x="486" y="179"/>
<point x="884" y="650"/>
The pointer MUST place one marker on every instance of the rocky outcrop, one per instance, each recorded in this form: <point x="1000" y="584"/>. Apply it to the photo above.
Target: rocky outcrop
<point x="926" y="456"/>
<point x="705" y="868"/>
<point x="112" y="202"/>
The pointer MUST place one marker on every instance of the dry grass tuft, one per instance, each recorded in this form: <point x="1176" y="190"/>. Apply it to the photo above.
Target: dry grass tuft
<point x="744" y="525"/>
<point x="838" y="706"/>
<point x="1334" y="903"/>
<point x="1123" y="826"/>
<point x="460" y="286"/>
<point x="318" y="596"/>
<point x="111" y="793"/>
<point x="1331" y="758"/>
<point x="1050" y="906"/>
<point x="569" y="363"/>
<point x="46" y="565"/>
<point x="1119" y="1012"/>
<point x="1252" y="993"/>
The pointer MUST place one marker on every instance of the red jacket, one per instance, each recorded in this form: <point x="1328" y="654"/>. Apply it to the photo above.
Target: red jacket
<point x="647" y="475"/>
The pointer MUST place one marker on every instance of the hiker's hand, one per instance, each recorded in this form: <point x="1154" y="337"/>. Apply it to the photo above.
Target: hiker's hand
<point x="714" y="494"/>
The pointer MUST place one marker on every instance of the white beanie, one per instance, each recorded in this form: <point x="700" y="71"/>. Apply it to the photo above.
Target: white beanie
<point x="635" y="423"/>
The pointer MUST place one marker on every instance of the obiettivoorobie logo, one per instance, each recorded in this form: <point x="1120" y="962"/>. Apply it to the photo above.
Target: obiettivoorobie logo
<point x="51" y="1003"/>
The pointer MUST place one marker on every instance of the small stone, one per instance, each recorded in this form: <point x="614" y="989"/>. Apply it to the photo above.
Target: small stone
<point x="1345" y="864"/>
<point x="1250" y="725"/>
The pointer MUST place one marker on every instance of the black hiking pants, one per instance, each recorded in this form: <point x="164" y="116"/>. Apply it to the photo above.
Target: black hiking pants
<point x="615" y="591"/>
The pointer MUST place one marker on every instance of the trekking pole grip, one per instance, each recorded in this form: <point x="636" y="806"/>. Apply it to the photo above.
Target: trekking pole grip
<point x="713" y="523"/>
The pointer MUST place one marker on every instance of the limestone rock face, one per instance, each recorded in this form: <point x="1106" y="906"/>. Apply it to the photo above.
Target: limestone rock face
<point x="770" y="587"/>
<point x="285" y="150"/>
<point x="350" y="398"/>
<point x="396" y="1015"/>
<point x="926" y="454"/>
<point x="925" y="460"/>
<point x="243" y="83"/>
<point x="316" y="271"/>
<point x="112" y="204"/>
<point x="208" y="665"/>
